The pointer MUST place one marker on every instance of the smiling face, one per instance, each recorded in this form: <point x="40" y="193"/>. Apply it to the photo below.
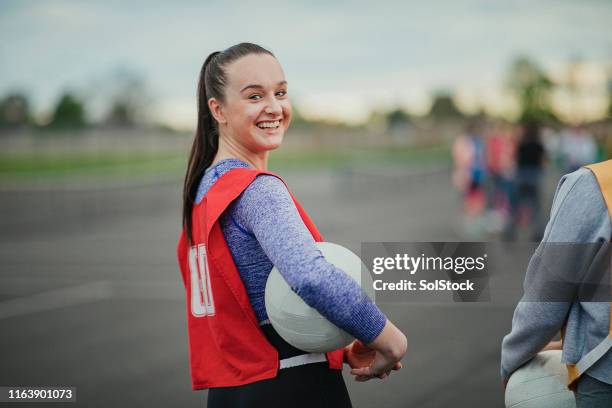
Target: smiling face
<point x="256" y="111"/>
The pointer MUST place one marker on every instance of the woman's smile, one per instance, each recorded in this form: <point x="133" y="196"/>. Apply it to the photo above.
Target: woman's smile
<point x="269" y="126"/>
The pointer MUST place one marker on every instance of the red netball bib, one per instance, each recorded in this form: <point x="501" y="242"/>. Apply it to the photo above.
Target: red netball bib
<point x="226" y="344"/>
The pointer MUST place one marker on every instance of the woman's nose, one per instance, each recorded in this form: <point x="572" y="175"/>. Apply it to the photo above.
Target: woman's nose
<point x="273" y="107"/>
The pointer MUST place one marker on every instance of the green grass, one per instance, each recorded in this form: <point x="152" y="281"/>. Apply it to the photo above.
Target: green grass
<point x="110" y="165"/>
<point x="117" y="166"/>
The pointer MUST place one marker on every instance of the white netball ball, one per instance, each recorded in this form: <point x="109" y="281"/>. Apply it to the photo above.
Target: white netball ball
<point x="541" y="383"/>
<point x="299" y="324"/>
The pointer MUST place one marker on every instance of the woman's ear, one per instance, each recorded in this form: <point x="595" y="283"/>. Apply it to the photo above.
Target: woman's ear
<point x="216" y="109"/>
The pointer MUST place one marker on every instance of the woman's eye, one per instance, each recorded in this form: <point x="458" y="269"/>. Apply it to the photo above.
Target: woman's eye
<point x="255" y="97"/>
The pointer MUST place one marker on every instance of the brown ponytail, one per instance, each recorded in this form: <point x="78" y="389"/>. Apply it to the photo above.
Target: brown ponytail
<point x="211" y="84"/>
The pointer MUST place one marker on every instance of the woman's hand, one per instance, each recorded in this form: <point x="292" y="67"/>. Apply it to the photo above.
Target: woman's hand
<point x="358" y="355"/>
<point x="379" y="368"/>
<point x="390" y="346"/>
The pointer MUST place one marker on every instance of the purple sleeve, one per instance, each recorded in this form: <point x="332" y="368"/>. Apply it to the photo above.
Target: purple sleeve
<point x="266" y="210"/>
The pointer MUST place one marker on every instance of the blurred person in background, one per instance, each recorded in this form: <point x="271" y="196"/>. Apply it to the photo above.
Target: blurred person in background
<point x="551" y="139"/>
<point x="530" y="160"/>
<point x="469" y="171"/>
<point x="500" y="157"/>
<point x="256" y="224"/>
<point x="603" y="145"/>
<point x="578" y="148"/>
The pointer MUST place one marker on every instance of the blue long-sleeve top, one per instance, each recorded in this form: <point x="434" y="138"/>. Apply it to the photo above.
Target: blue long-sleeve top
<point x="579" y="215"/>
<point x="263" y="229"/>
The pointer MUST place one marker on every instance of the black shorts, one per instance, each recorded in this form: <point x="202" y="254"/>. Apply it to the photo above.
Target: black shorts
<point x="308" y="385"/>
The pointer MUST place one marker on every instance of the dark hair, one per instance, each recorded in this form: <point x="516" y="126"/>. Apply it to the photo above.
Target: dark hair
<point x="212" y="83"/>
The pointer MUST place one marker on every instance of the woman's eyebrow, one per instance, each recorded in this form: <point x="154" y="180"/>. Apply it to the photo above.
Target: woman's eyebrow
<point x="260" y="86"/>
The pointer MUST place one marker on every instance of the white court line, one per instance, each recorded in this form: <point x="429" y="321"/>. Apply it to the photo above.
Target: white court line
<point x="56" y="299"/>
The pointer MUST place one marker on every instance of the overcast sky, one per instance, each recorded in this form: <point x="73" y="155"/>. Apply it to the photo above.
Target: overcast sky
<point x="340" y="58"/>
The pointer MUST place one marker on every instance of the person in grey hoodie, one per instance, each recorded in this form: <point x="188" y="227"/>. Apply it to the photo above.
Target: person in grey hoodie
<point x="579" y="215"/>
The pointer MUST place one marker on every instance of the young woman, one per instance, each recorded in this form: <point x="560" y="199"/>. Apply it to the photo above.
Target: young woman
<point x="239" y="221"/>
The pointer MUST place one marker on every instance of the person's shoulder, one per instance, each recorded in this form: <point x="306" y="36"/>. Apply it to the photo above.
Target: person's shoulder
<point x="580" y="183"/>
<point x="268" y="183"/>
<point x="266" y="196"/>
<point x="266" y="190"/>
<point x="579" y="212"/>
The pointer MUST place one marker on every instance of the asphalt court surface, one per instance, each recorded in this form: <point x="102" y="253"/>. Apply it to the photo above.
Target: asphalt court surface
<point x="91" y="296"/>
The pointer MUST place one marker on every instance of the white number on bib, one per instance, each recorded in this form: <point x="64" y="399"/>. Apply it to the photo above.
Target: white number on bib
<point x="202" y="303"/>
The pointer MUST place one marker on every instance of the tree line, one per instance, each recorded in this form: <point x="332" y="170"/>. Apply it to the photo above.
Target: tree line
<point x="528" y="83"/>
